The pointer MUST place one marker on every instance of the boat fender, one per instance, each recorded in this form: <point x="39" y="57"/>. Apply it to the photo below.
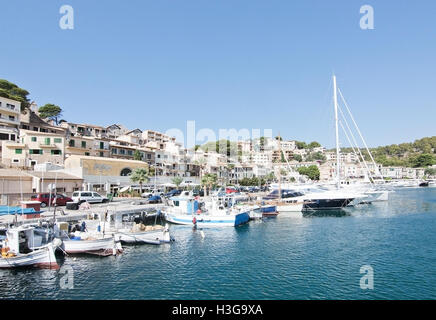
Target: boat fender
<point x="198" y="211"/>
<point x="194" y="221"/>
<point x="57" y="242"/>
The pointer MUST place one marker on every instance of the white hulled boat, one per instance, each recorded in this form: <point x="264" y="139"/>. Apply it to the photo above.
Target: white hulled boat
<point x="217" y="212"/>
<point x="22" y="247"/>
<point x="84" y="241"/>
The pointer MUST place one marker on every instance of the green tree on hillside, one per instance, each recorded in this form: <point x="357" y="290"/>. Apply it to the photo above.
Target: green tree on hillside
<point x="312" y="172"/>
<point x="298" y="157"/>
<point x="316" y="156"/>
<point x="300" y="145"/>
<point x="423" y="160"/>
<point x="137" y="155"/>
<point x="50" y="111"/>
<point x="314" y="144"/>
<point x="12" y="91"/>
<point x="430" y="172"/>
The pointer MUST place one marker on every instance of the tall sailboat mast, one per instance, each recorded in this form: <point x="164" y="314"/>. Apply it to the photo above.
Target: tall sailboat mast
<point x="335" y="101"/>
<point x="280" y="166"/>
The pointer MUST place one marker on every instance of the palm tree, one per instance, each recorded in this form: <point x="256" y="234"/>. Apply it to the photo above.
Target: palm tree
<point x="140" y="175"/>
<point x="202" y="164"/>
<point x="271" y="176"/>
<point x="177" y="181"/>
<point x="208" y="181"/>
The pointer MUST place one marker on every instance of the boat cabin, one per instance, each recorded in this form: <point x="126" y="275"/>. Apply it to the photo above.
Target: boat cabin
<point x="22" y="239"/>
<point x="187" y="205"/>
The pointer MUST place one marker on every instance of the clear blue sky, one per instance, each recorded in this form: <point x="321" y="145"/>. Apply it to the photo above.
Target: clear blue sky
<point x="229" y="64"/>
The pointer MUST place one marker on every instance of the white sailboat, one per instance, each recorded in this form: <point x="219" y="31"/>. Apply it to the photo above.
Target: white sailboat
<point x="371" y="191"/>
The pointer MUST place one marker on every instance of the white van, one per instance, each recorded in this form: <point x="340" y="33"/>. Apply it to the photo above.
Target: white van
<point x="89" y="196"/>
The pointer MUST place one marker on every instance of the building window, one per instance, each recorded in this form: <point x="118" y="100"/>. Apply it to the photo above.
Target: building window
<point x="47" y="141"/>
<point x="129" y="152"/>
<point x="122" y="151"/>
<point x="114" y="151"/>
<point x="4" y="136"/>
<point x="86" y="153"/>
<point x="71" y="143"/>
<point x="35" y="151"/>
<point x="101" y="154"/>
<point x="56" y="152"/>
<point x="12" y="118"/>
<point x="101" y="145"/>
<point x="33" y="139"/>
<point x="18" y="151"/>
<point x="12" y="137"/>
<point x="57" y="140"/>
<point x="16" y="160"/>
<point x="83" y="144"/>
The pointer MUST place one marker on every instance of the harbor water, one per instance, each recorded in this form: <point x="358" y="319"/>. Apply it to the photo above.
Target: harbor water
<point x="315" y="257"/>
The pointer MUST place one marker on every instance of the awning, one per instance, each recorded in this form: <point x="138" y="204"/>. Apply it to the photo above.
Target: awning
<point x="124" y="189"/>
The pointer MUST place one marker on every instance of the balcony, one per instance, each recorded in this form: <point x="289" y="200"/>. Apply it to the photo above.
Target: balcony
<point x="13" y="145"/>
<point x="5" y="119"/>
<point x="99" y="148"/>
<point x="9" y="108"/>
<point x="50" y="145"/>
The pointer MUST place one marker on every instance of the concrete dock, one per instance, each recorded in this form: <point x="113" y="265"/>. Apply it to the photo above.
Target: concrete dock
<point x="130" y="206"/>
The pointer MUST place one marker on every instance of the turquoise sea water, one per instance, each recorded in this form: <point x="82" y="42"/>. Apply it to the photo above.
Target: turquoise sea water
<point x="279" y="258"/>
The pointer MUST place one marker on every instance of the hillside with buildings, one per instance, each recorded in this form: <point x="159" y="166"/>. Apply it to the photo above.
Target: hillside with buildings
<point x="420" y="153"/>
<point x="37" y="152"/>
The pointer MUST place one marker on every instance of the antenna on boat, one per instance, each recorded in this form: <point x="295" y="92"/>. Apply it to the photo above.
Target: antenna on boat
<point x="335" y="99"/>
<point x="55" y="197"/>
<point x="280" y="164"/>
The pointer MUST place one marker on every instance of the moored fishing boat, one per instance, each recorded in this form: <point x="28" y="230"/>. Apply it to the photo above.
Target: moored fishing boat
<point x="21" y="247"/>
<point x="84" y="241"/>
<point x="215" y="213"/>
<point x="87" y="243"/>
<point x="142" y="234"/>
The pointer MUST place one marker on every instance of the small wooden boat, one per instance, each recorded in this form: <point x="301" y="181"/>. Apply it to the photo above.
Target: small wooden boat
<point x="22" y="247"/>
<point x="140" y="233"/>
<point x="84" y="242"/>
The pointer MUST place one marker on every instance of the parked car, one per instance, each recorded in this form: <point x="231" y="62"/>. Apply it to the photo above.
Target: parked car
<point x="154" y="199"/>
<point x="44" y="198"/>
<point x="198" y="192"/>
<point x="231" y="190"/>
<point x="89" y="196"/>
<point x="172" y="193"/>
<point x="148" y="194"/>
